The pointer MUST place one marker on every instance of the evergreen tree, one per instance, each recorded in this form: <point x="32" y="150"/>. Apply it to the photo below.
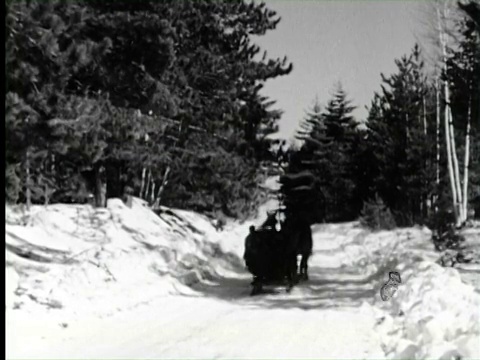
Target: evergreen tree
<point x="327" y="152"/>
<point x="331" y="155"/>
<point x="337" y="116"/>
<point x="340" y="127"/>
<point x="38" y="66"/>
<point x="401" y="139"/>
<point x="146" y="91"/>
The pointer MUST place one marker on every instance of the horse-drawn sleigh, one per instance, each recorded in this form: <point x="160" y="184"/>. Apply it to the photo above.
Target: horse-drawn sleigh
<point x="271" y="255"/>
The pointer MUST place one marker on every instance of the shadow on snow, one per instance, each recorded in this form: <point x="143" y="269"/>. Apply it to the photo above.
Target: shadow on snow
<point x="327" y="288"/>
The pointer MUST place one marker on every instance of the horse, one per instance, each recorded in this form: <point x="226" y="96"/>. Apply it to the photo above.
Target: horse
<point x="297" y="237"/>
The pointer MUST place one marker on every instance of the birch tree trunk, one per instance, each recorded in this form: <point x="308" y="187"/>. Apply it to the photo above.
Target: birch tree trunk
<point x="455" y="165"/>
<point x="425" y="201"/>
<point x="450" y="164"/>
<point x="467" y="158"/>
<point x="437" y="139"/>
<point x="453" y="170"/>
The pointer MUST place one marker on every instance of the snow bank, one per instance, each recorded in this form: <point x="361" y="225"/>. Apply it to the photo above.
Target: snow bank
<point x="434" y="314"/>
<point x="350" y="246"/>
<point x="83" y="259"/>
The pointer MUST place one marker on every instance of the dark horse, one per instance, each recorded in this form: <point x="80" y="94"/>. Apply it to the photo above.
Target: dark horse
<point x="297" y="236"/>
<point x="271" y="256"/>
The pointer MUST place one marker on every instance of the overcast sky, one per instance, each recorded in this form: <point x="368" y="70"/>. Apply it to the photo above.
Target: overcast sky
<point x="330" y="41"/>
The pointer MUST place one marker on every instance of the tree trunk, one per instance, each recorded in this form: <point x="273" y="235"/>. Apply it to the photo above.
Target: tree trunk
<point x="425" y="201"/>
<point x="437" y="140"/>
<point x="147" y="185"/>
<point x="48" y="193"/>
<point x="28" y="194"/>
<point x="162" y="187"/>
<point x="152" y="194"/>
<point x="142" y="186"/>
<point x="100" y="188"/>
<point x="467" y="158"/>
<point x="450" y="162"/>
<point x="456" y="168"/>
<point x="47" y="197"/>
<point x="453" y="171"/>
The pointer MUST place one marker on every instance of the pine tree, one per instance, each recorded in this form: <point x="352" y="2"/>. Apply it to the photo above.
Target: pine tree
<point x="37" y="70"/>
<point x="145" y="91"/>
<point x="226" y="81"/>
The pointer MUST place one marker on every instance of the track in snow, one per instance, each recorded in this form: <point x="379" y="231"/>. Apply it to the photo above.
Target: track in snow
<point x="318" y="319"/>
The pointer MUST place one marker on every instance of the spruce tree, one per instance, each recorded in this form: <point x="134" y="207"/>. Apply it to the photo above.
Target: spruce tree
<point x="340" y="126"/>
<point x="400" y="134"/>
<point x="328" y="141"/>
<point x="326" y="150"/>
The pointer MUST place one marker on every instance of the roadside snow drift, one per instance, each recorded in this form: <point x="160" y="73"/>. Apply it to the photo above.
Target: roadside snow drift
<point x="86" y="260"/>
<point x="434" y="314"/>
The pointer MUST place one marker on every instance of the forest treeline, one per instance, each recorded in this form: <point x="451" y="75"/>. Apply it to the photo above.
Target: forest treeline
<point x="418" y="153"/>
<point x="161" y="99"/>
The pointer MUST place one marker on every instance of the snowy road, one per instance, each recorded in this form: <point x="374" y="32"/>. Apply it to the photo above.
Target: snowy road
<point x="213" y="323"/>
<point x="218" y="319"/>
<point x="202" y="328"/>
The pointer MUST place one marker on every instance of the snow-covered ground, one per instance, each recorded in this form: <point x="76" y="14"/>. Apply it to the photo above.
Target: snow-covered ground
<point x="125" y="283"/>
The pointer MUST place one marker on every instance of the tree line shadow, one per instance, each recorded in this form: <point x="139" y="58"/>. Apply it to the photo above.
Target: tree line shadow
<point x="325" y="289"/>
